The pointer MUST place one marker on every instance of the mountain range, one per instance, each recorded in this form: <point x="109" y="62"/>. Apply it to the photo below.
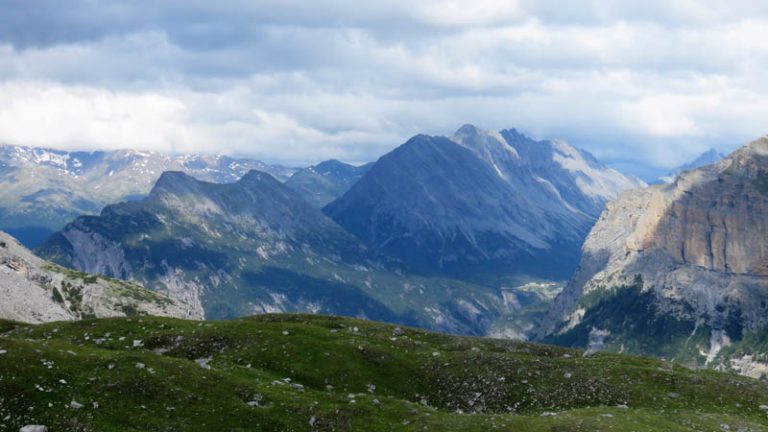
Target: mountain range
<point x="257" y="245"/>
<point x="41" y="190"/>
<point x="473" y="234"/>
<point x="468" y="234"/>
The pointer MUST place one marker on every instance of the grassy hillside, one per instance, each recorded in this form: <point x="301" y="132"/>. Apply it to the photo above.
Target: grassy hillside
<point x="302" y="373"/>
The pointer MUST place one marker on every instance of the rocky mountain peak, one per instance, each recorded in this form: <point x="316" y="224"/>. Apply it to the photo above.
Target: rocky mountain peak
<point x="41" y="190"/>
<point x="758" y="146"/>
<point x="256" y="246"/>
<point x="259" y="179"/>
<point x="468" y="129"/>
<point x="174" y="182"/>
<point x="749" y="156"/>
<point x="512" y="132"/>
<point x="331" y="165"/>
<point x="710" y="157"/>
<point x="489" y="146"/>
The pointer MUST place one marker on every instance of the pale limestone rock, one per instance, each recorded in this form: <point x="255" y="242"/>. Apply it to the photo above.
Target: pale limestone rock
<point x="700" y="240"/>
<point x="34" y="290"/>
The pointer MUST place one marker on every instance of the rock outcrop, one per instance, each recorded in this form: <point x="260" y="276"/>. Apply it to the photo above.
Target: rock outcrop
<point x="34" y="290"/>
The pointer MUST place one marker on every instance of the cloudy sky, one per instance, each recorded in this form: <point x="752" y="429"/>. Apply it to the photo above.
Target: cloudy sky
<point x="646" y="82"/>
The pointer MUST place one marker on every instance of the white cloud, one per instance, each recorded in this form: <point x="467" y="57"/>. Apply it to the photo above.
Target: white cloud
<point x="452" y="13"/>
<point x="300" y="81"/>
<point x="89" y="118"/>
<point x="41" y="114"/>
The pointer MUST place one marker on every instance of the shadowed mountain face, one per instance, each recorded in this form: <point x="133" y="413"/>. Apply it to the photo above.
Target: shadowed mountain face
<point x="483" y="206"/>
<point x="322" y="183"/>
<point x="257" y="246"/>
<point x="692" y="252"/>
<point x="41" y="190"/>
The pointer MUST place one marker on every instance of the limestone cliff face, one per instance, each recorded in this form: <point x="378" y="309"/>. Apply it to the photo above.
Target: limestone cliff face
<point x="699" y="244"/>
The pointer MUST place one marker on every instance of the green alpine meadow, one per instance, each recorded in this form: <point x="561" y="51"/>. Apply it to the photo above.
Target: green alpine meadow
<point x="293" y="372"/>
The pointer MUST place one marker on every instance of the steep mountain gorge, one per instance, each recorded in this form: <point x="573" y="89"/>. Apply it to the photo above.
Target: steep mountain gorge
<point x="485" y="207"/>
<point x="41" y="190"/>
<point x="679" y="270"/>
<point x="257" y="246"/>
<point x="33" y="290"/>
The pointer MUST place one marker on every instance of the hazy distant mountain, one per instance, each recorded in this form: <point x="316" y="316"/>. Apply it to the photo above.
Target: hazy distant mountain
<point x="322" y="183"/>
<point x="638" y="169"/>
<point x="709" y="157"/>
<point x="679" y="270"/>
<point x="481" y="206"/>
<point x="33" y="290"/>
<point x="41" y="190"/>
<point x="257" y="246"/>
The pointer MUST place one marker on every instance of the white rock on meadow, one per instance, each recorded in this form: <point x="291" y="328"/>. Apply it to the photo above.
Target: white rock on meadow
<point x="34" y="428"/>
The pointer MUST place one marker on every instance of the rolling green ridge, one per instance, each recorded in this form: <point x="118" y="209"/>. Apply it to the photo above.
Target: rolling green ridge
<point x="306" y="372"/>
